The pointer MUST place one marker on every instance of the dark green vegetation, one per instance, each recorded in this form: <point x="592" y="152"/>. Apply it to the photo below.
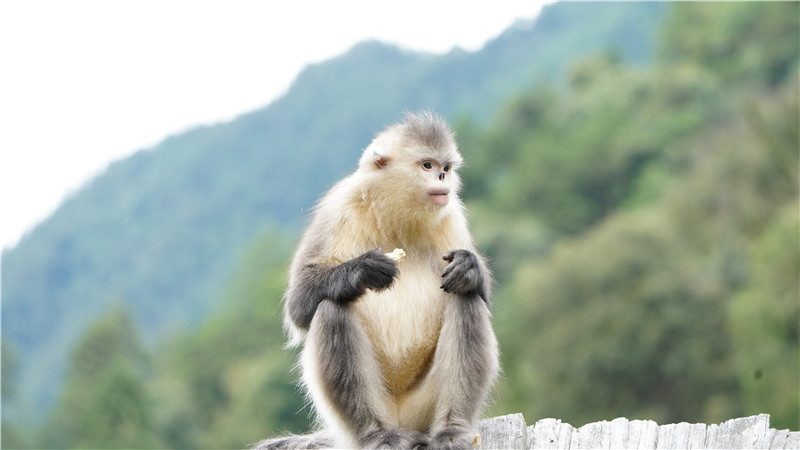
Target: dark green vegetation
<point x="640" y="210"/>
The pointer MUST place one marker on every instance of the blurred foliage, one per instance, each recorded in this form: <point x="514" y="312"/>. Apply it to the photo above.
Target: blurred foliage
<point x="642" y="221"/>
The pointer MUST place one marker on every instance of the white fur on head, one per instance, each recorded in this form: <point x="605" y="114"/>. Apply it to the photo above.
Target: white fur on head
<point x="423" y="131"/>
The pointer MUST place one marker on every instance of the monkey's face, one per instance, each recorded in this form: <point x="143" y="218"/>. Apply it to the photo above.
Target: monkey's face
<point x="414" y="176"/>
<point x="437" y="179"/>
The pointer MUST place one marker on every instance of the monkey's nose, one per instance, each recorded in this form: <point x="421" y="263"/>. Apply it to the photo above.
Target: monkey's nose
<point x="441" y="176"/>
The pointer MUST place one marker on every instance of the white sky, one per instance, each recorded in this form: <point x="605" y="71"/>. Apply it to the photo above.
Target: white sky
<point x="83" y="83"/>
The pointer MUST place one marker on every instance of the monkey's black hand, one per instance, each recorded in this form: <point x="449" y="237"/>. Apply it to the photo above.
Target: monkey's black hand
<point x="464" y="275"/>
<point x="374" y="270"/>
<point x="371" y="270"/>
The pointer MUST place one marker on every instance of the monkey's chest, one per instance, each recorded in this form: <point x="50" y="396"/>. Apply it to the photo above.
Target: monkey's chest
<point x="403" y="325"/>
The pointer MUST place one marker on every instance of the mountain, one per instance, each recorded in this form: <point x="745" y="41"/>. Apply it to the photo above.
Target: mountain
<point x="161" y="230"/>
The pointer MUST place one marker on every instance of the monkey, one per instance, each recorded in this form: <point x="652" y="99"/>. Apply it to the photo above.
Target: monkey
<point x="395" y="354"/>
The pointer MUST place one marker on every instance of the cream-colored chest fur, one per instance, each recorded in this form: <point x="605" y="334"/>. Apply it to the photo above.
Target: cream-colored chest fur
<point x="403" y="322"/>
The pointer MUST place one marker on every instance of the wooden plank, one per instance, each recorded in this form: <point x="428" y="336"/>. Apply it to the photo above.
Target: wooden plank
<point x="503" y="432"/>
<point x="642" y="434"/>
<point x="681" y="436"/>
<point x="587" y="436"/>
<point x="618" y="433"/>
<point x="792" y="440"/>
<point x="781" y="439"/>
<point x="745" y="432"/>
<point x="546" y="434"/>
<point x="711" y="436"/>
<point x="697" y="435"/>
<point x="565" y="432"/>
<point x="664" y="439"/>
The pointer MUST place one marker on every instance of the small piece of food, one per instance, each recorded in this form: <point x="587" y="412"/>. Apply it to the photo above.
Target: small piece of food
<point x="397" y="254"/>
<point x="477" y="441"/>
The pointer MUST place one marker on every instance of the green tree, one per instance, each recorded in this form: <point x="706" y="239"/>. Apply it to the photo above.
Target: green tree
<point x="105" y="402"/>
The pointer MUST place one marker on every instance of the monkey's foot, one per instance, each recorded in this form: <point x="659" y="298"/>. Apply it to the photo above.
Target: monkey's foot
<point x="393" y="438"/>
<point x="452" y="438"/>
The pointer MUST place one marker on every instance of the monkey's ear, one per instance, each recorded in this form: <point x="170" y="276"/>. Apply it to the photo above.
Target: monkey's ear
<point x="381" y="161"/>
<point x="374" y="157"/>
<point x="377" y="154"/>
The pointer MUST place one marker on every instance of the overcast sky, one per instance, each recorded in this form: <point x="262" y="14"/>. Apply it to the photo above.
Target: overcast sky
<point x="84" y="83"/>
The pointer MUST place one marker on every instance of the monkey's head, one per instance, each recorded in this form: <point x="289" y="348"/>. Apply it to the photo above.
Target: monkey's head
<point x="414" y="163"/>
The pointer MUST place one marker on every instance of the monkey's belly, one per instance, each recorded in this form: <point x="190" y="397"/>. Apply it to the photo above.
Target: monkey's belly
<point x="403" y="325"/>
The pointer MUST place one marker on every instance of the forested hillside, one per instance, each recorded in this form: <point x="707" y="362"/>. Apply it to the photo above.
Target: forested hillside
<point x="161" y="231"/>
<point x="641" y="212"/>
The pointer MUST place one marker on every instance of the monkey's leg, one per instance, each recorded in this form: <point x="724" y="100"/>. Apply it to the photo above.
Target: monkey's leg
<point x="346" y="383"/>
<point x="466" y="359"/>
<point x="466" y="363"/>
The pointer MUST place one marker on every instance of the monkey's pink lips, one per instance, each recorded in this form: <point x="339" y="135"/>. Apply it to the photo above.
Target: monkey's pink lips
<point x="439" y="196"/>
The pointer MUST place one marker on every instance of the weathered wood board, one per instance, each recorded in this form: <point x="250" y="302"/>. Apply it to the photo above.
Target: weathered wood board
<point x="512" y="432"/>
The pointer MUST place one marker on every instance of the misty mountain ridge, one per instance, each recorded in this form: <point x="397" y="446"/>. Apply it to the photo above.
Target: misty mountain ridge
<point x="161" y="231"/>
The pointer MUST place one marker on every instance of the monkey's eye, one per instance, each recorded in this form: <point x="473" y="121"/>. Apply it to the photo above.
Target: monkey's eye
<point x="427" y="165"/>
<point x="446" y="168"/>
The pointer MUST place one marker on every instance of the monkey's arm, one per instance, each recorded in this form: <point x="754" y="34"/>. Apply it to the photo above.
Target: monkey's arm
<point x="466" y="275"/>
<point x="340" y="284"/>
